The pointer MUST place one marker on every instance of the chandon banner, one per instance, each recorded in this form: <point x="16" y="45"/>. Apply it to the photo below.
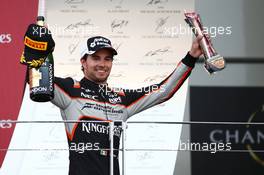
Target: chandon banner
<point x="15" y="16"/>
<point x="231" y="104"/>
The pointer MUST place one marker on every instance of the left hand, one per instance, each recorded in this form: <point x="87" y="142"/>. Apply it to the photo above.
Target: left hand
<point x="38" y="44"/>
<point x="196" y="50"/>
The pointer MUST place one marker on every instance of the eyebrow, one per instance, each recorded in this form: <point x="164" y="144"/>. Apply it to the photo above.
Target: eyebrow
<point x="97" y="56"/>
<point x="94" y="55"/>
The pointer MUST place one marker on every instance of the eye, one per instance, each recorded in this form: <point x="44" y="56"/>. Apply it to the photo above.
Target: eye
<point x="108" y="58"/>
<point x="95" y="58"/>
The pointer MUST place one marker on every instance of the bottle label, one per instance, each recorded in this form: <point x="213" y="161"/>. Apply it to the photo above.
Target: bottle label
<point x="41" y="80"/>
<point x="51" y="77"/>
<point x="34" y="77"/>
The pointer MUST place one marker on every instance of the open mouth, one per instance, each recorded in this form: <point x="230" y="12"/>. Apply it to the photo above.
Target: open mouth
<point x="101" y="71"/>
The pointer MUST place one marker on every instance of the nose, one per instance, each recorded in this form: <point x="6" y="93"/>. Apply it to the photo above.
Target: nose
<point x="102" y="63"/>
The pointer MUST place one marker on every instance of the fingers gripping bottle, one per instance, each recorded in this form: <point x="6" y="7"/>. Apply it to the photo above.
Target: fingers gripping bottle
<point x="41" y="80"/>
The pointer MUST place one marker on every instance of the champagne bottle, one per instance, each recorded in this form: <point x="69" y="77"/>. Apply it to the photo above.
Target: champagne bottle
<point x="41" y="80"/>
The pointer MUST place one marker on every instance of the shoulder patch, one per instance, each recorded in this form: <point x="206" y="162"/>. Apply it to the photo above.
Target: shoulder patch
<point x="76" y="84"/>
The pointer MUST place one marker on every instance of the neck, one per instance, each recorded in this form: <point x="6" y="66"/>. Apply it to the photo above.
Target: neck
<point x="97" y="82"/>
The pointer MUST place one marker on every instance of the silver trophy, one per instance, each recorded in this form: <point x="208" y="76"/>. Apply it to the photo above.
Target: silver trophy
<point x="213" y="62"/>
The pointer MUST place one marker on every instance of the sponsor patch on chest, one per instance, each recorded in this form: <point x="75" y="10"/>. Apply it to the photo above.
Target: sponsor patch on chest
<point x="115" y="100"/>
<point x="90" y="96"/>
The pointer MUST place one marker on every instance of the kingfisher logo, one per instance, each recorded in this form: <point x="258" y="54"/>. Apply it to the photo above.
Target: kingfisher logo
<point x="5" y="38"/>
<point x="35" y="44"/>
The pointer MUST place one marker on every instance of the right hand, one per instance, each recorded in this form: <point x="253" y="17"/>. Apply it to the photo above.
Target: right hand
<point x="38" y="44"/>
<point x="196" y="50"/>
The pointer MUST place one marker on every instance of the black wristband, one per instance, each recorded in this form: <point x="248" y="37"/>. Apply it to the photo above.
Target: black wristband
<point x="189" y="60"/>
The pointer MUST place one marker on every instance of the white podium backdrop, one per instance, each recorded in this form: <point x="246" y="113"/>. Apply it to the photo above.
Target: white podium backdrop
<point x="147" y="53"/>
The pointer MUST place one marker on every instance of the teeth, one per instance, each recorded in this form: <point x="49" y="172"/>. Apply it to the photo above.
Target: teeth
<point x="100" y="71"/>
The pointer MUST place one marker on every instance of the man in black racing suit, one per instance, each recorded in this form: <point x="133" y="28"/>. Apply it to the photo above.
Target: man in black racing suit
<point x="90" y="99"/>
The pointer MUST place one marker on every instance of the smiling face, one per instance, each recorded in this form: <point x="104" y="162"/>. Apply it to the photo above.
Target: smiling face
<point x="97" y="67"/>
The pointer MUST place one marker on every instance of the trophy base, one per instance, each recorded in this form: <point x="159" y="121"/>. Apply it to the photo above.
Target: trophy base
<point x="214" y="64"/>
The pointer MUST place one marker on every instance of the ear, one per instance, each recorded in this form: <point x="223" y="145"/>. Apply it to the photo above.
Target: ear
<point x="83" y="62"/>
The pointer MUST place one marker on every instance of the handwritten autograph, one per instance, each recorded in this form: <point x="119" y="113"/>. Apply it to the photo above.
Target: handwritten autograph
<point x="145" y="156"/>
<point x="117" y="75"/>
<point x="154" y="78"/>
<point x="72" y="47"/>
<point x="119" y="1"/>
<point x="160" y="23"/>
<point x="74" y="1"/>
<point x="158" y="51"/>
<point x="79" y="24"/>
<point x="154" y="2"/>
<point x="51" y="156"/>
<point x="118" y="24"/>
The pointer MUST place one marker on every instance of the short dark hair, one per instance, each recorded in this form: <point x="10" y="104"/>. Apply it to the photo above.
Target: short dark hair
<point x="84" y="58"/>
